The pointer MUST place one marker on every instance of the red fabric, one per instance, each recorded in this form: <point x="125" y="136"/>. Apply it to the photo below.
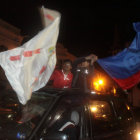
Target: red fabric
<point x="128" y="82"/>
<point x="59" y="81"/>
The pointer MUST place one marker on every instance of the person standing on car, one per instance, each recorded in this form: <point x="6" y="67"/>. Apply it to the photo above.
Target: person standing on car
<point x="84" y="61"/>
<point x="81" y="67"/>
<point x="63" y="78"/>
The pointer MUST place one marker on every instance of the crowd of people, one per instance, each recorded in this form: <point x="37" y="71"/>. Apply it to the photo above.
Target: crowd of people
<point x="67" y="76"/>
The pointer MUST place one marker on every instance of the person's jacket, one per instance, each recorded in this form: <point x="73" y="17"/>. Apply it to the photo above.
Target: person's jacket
<point x="60" y="80"/>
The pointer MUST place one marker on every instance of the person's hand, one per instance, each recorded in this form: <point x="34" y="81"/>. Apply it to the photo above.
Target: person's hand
<point x="94" y="59"/>
<point x="91" y="57"/>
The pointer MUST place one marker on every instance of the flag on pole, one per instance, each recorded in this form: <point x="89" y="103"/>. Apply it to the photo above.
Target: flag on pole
<point x="124" y="67"/>
<point x="29" y="67"/>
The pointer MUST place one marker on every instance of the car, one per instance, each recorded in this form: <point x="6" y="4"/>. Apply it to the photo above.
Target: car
<point x="68" y="114"/>
<point x="97" y="117"/>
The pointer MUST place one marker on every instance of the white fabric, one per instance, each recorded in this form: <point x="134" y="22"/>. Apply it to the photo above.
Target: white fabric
<point x="29" y="67"/>
<point x="66" y="125"/>
<point x="75" y="117"/>
<point x="65" y="78"/>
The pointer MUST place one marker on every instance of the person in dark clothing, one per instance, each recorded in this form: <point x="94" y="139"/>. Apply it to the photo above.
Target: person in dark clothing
<point x="84" y="62"/>
<point x="81" y="68"/>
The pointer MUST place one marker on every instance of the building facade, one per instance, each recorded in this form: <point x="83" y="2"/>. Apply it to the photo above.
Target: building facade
<point x="62" y="54"/>
<point x="10" y="38"/>
<point x="9" y="35"/>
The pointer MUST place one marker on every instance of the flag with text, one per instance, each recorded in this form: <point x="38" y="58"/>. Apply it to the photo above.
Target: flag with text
<point x="29" y="67"/>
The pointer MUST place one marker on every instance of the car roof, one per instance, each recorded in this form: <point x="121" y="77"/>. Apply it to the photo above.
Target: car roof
<point x="76" y="91"/>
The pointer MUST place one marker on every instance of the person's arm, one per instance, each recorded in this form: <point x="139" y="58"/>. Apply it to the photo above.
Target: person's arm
<point x="92" y="57"/>
<point x="78" y="61"/>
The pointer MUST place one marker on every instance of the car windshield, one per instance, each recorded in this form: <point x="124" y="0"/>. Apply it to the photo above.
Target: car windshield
<point x="35" y="107"/>
<point x="21" y="119"/>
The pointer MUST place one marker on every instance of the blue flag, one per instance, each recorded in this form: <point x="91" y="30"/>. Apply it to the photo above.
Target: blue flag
<point x="124" y="67"/>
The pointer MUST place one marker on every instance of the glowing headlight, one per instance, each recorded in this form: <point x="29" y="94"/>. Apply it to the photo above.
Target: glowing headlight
<point x="93" y="109"/>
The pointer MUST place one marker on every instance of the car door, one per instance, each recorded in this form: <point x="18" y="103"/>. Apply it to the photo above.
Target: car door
<point x="104" y="125"/>
<point x="66" y="117"/>
<point x="125" y="118"/>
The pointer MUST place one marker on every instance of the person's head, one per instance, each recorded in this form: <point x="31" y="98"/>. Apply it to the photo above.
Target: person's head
<point x="85" y="64"/>
<point x="67" y="65"/>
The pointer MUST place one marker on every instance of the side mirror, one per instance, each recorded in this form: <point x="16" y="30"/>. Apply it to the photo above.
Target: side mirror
<point x="56" y="136"/>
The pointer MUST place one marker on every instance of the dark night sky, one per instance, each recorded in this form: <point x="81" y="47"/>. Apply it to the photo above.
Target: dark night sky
<point x="86" y="26"/>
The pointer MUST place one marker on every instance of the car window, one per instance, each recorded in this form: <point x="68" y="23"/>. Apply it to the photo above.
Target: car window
<point x="102" y="116"/>
<point x="35" y="107"/>
<point x="26" y="118"/>
<point x="124" y="114"/>
<point x="101" y="110"/>
<point x="67" y="111"/>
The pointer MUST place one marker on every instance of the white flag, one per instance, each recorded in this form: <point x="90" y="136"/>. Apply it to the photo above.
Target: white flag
<point x="29" y="67"/>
